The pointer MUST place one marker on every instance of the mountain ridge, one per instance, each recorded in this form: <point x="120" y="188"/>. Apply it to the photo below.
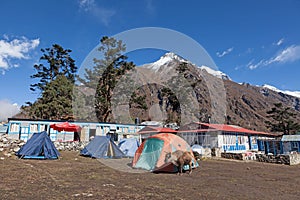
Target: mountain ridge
<point x="170" y="56"/>
<point x="245" y="105"/>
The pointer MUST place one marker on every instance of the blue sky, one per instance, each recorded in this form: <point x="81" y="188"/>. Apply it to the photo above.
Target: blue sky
<point x="255" y="41"/>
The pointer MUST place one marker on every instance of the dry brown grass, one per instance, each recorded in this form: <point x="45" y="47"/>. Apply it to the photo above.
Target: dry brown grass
<point x="76" y="177"/>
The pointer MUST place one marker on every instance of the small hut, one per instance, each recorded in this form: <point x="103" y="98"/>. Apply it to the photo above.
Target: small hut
<point x="290" y="143"/>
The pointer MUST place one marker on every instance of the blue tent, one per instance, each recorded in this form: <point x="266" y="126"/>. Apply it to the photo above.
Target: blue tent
<point x="39" y="146"/>
<point x="129" y="146"/>
<point x="102" y="147"/>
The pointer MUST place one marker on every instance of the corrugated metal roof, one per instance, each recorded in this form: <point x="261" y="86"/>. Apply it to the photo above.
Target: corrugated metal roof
<point x="196" y="130"/>
<point x="233" y="128"/>
<point x="290" y="138"/>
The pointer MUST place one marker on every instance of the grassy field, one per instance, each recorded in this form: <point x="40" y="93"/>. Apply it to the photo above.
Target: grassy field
<point x="76" y="177"/>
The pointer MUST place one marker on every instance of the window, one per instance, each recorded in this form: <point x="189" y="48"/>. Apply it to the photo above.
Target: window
<point x="229" y="139"/>
<point x="253" y="140"/>
<point x="33" y="128"/>
<point x="14" y="127"/>
<point x="43" y="127"/>
<point x="99" y="130"/>
<point x="241" y="139"/>
<point x="295" y="146"/>
<point x="92" y="132"/>
<point x="106" y="129"/>
<point x="203" y="139"/>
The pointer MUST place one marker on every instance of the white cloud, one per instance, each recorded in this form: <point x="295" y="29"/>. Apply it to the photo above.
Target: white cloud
<point x="289" y="54"/>
<point x="251" y="65"/>
<point x="103" y="14"/>
<point x="86" y="5"/>
<point x="15" y="49"/>
<point x="7" y="110"/>
<point x="224" y="53"/>
<point x="279" y="42"/>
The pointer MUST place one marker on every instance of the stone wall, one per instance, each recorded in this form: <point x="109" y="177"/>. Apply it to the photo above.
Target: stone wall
<point x="239" y="156"/>
<point x="206" y="152"/>
<point x="294" y="159"/>
<point x="288" y="159"/>
<point x="70" y="146"/>
<point x="216" y="152"/>
<point x="235" y="156"/>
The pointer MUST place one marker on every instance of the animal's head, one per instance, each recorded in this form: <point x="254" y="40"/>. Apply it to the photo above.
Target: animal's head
<point x="167" y="157"/>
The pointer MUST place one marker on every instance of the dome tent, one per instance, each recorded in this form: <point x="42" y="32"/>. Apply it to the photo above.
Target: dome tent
<point x="102" y="147"/>
<point x="129" y="146"/>
<point x="39" y="146"/>
<point x="152" y="152"/>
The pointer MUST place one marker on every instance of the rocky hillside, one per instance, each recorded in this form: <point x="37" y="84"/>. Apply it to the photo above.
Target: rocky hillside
<point x="175" y="90"/>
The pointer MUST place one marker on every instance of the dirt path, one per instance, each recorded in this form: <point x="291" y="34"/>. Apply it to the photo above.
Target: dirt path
<point x="76" y="177"/>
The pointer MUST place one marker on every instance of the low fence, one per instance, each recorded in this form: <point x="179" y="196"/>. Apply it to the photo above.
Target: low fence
<point x="234" y="156"/>
<point x="286" y="159"/>
<point x="239" y="156"/>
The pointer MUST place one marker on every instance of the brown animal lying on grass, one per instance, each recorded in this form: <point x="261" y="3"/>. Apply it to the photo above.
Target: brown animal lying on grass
<point x="180" y="158"/>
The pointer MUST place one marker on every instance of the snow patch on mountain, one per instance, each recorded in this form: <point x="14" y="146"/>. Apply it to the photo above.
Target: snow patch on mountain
<point x="215" y="73"/>
<point x="164" y="60"/>
<point x="292" y="93"/>
<point x="172" y="57"/>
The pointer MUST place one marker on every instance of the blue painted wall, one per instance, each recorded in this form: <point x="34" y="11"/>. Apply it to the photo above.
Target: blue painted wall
<point x="21" y="128"/>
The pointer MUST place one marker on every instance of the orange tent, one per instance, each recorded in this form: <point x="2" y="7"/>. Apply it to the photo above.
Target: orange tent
<point x="152" y="152"/>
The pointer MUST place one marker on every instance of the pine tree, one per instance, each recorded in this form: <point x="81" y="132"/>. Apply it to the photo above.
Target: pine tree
<point x="283" y="120"/>
<point x="55" y="61"/>
<point x="56" y="100"/>
<point x="56" y="75"/>
<point x="105" y="74"/>
<point x="138" y="101"/>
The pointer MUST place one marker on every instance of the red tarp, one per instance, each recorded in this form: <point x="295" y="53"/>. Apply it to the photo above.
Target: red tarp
<point x="66" y="126"/>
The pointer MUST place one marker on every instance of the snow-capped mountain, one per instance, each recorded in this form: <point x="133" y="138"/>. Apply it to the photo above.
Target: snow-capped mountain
<point x="171" y="58"/>
<point x="164" y="60"/>
<point x="292" y="93"/>
<point x="246" y="104"/>
<point x="216" y="73"/>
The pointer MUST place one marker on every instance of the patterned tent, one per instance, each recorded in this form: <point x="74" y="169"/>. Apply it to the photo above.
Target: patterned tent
<point x="152" y="152"/>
